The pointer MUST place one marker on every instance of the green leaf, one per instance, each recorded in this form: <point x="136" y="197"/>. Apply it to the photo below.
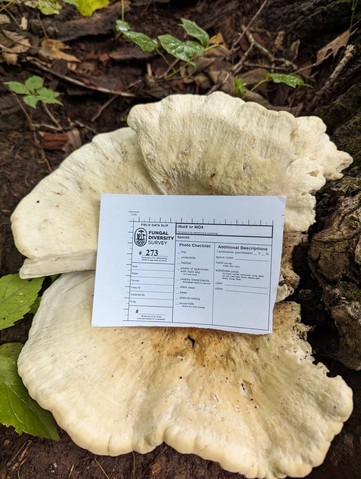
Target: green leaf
<point x="147" y="44"/>
<point x="36" y="303"/>
<point x="47" y="95"/>
<point x="288" y="79"/>
<point x="121" y="26"/>
<point x="88" y="7"/>
<point x="17" y="87"/>
<point x="185" y="51"/>
<point x="240" y="86"/>
<point x="34" y="83"/>
<point x="195" y="31"/>
<point x="31" y="100"/>
<point x="17" y="409"/>
<point x="49" y="7"/>
<point x="35" y="306"/>
<point x="16" y="298"/>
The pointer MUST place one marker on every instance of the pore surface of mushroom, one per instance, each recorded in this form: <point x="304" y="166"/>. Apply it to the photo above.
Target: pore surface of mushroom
<point x="255" y="404"/>
<point x="185" y="144"/>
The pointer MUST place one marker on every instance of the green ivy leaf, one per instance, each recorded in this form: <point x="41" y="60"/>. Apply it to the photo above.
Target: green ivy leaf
<point x="34" y="83"/>
<point x="288" y="79"/>
<point x="47" y="95"/>
<point x="88" y="7"/>
<point x="147" y="44"/>
<point x="17" y="409"/>
<point x="195" y="31"/>
<point x="240" y="86"/>
<point x="185" y="51"/>
<point x="17" y="87"/>
<point x="16" y="298"/>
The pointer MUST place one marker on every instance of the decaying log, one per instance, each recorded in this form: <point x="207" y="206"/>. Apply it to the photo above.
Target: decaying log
<point x="335" y="260"/>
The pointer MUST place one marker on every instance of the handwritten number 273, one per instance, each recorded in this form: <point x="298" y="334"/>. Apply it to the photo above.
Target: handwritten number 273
<point x="151" y="252"/>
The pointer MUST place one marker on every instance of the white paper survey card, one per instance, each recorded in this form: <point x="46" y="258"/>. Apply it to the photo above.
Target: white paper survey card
<point x="188" y="261"/>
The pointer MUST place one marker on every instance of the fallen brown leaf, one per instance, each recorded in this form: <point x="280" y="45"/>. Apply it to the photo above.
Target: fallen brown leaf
<point x="279" y="39"/>
<point x="4" y="19"/>
<point x="11" y="44"/>
<point x="219" y="47"/>
<point x="334" y="46"/>
<point x="54" y="49"/>
<point x="254" y="76"/>
<point x="293" y="50"/>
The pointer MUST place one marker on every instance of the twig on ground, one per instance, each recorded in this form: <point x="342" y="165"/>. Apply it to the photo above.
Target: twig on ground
<point x="264" y="65"/>
<point x="251" y="21"/>
<point x="30" y="122"/>
<point x="42" y="153"/>
<point x="83" y="125"/>
<point x="52" y="117"/>
<point x="80" y="83"/>
<point x="48" y="126"/>
<point x="219" y="84"/>
<point x="101" y="468"/>
<point x="18" y="459"/>
<point x="254" y="44"/>
<point x="168" y="70"/>
<point x="260" y="47"/>
<point x="327" y="87"/>
<point x="134" y="466"/>
<point x="8" y="12"/>
<point x="239" y="65"/>
<point x="102" y="108"/>
<point x="71" y="471"/>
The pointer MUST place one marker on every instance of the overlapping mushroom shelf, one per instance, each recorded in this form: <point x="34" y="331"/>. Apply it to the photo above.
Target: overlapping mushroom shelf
<point x="256" y="404"/>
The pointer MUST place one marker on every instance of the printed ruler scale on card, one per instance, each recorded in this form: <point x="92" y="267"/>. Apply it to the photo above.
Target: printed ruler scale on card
<point x="210" y="269"/>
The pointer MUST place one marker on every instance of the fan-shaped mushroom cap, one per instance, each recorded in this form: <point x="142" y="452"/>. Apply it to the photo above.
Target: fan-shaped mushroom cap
<point x="56" y="225"/>
<point x="188" y="144"/>
<point x="255" y="404"/>
<point x="221" y="145"/>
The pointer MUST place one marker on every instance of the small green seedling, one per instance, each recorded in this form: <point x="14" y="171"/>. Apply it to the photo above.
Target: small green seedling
<point x="288" y="79"/>
<point x="186" y="51"/>
<point x="33" y="91"/>
<point x="17" y="298"/>
<point x="240" y="86"/>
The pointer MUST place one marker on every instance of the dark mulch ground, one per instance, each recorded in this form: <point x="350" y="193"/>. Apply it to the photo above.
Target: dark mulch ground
<point x="97" y="92"/>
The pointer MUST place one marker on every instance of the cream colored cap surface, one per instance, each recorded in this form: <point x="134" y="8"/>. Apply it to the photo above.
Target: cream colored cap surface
<point x="258" y="405"/>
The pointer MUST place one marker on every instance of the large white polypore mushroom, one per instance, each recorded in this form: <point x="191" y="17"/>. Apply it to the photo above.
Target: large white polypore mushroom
<point x="255" y="404"/>
<point x="258" y="405"/>
<point x="185" y="144"/>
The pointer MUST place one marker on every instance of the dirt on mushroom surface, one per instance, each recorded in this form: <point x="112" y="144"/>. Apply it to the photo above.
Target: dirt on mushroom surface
<point x="97" y="90"/>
